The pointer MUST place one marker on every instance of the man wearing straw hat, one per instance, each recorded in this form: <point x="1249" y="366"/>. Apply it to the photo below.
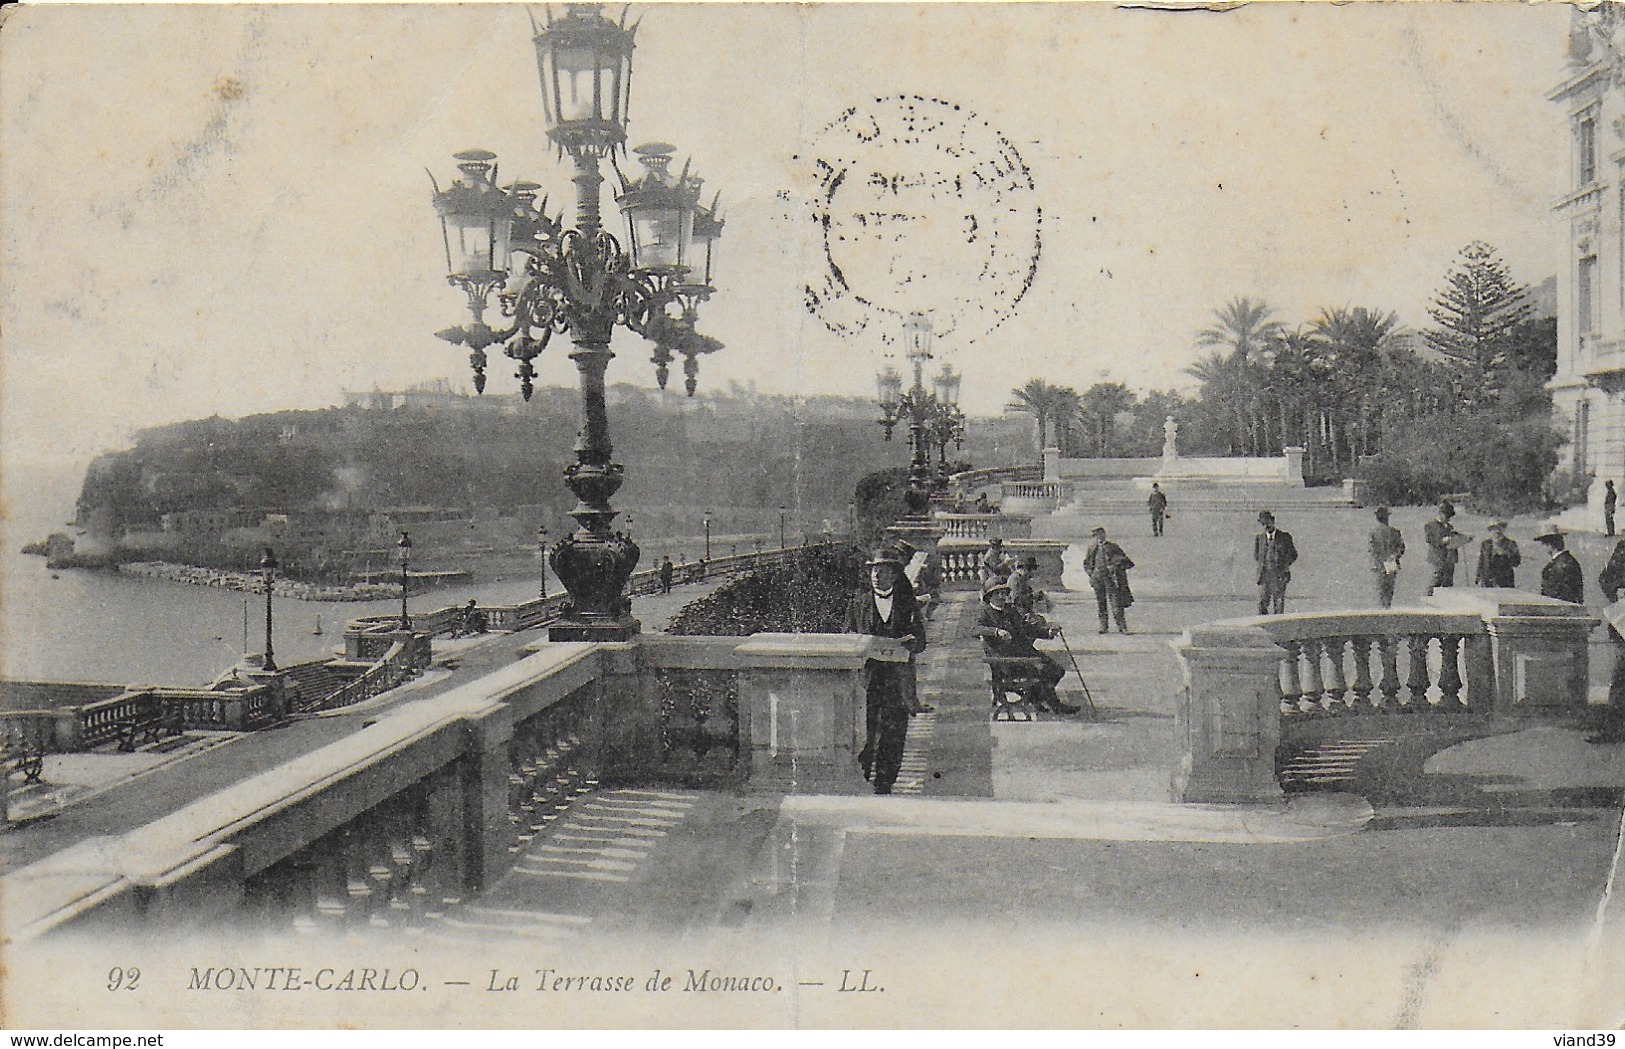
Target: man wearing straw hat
<point x="1498" y="557"/>
<point x="886" y="608"/>
<point x="1561" y="577"/>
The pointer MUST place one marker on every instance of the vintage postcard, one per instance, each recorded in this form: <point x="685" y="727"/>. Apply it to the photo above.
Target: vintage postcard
<point x="776" y="515"/>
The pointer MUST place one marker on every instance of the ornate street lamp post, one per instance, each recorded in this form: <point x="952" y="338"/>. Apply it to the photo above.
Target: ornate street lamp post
<point x="782" y="509"/>
<point x="947" y="424"/>
<point x="708" y="535"/>
<point x="541" y="544"/>
<point x="916" y="406"/>
<point x="580" y="281"/>
<point x="404" y="546"/>
<point x="268" y="567"/>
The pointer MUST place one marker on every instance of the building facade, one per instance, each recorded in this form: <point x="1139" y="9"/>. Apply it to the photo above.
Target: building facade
<point x="1588" y="390"/>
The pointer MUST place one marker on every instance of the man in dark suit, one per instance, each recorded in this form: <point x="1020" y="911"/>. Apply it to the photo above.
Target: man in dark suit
<point x="1498" y="557"/>
<point x="1007" y="633"/>
<point x="1612" y="582"/>
<point x="1610" y="500"/>
<point x="1157" y="504"/>
<point x="1275" y="553"/>
<point x="1444" y="546"/>
<point x="1107" y="567"/>
<point x="1561" y="578"/>
<point x="886" y="608"/>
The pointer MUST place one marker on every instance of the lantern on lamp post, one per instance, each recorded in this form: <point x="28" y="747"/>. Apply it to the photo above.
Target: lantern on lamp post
<point x="581" y="281"/>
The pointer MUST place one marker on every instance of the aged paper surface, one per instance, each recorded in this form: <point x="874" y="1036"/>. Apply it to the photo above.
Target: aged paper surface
<point x="222" y="210"/>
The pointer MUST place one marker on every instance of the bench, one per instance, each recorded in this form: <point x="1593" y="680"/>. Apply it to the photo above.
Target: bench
<point x="30" y="761"/>
<point x="1013" y="680"/>
<point x="148" y="721"/>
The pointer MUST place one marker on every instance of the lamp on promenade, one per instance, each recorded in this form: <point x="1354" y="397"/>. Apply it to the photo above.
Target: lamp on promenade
<point x="708" y="535"/>
<point x="581" y="281"/>
<point x="947" y="423"/>
<point x="541" y="544"/>
<point x="782" y="508"/>
<point x="404" y="545"/>
<point x="268" y="568"/>
<point x="916" y="406"/>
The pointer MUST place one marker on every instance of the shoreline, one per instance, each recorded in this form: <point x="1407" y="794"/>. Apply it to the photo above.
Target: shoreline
<point x="248" y="583"/>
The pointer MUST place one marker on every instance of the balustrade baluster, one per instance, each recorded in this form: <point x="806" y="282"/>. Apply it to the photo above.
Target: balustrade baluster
<point x="1335" y="697"/>
<point x="1418" y="683"/>
<point x="1450" y="674"/>
<point x="1311" y="698"/>
<point x="1290" y="689"/>
<point x="1388" y="653"/>
<point x="1361" y="698"/>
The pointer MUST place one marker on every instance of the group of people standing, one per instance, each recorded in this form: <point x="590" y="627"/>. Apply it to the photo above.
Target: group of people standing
<point x="1498" y="557"/>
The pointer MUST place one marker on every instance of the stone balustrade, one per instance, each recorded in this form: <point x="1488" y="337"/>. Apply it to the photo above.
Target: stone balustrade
<point x="983" y="526"/>
<point x="1034" y="497"/>
<point x="1476" y="653"/>
<point x="393" y="826"/>
<point x="968" y="481"/>
<point x="960" y="560"/>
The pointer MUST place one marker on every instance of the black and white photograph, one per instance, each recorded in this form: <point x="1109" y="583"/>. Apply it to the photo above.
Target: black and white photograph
<point x="812" y="516"/>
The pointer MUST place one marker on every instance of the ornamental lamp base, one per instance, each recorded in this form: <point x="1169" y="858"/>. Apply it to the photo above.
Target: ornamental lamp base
<point x="594" y="628"/>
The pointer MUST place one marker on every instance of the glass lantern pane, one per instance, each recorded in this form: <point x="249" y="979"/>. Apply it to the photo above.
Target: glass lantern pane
<point x="588" y="80"/>
<point x="470" y="246"/>
<point x="659" y="235"/>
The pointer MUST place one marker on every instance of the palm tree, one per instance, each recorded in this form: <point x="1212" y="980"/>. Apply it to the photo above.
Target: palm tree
<point x="1065" y="413"/>
<point x="1102" y="403"/>
<point x="1359" y="345"/>
<point x="1036" y="398"/>
<point x="1242" y="325"/>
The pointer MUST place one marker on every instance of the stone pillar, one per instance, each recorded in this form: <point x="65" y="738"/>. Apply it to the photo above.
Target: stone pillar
<point x="802" y="697"/>
<point x="1294" y="466"/>
<point x="484" y="771"/>
<point x="1052" y="464"/>
<point x="629" y="713"/>
<point x="1050" y="553"/>
<point x="1229" y="716"/>
<point x="69" y="730"/>
<point x="1539" y="647"/>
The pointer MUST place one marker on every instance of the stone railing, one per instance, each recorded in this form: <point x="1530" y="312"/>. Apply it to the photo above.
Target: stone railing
<point x="1397" y="662"/>
<point x="960" y="561"/>
<point x="405" y="657"/>
<point x="368" y="637"/>
<point x="1477" y="653"/>
<point x="1034" y="496"/>
<point x="394" y="826"/>
<point x="967" y="481"/>
<point x="984" y="526"/>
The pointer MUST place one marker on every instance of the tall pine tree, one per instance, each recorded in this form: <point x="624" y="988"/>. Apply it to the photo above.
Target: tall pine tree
<point x="1476" y="312"/>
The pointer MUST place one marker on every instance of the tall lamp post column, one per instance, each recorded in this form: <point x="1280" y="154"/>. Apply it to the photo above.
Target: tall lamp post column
<point x="947" y="422"/>
<point x="708" y="535"/>
<point x="404" y="546"/>
<point x="580" y="281"/>
<point x="541" y="544"/>
<point x="782" y="509"/>
<point x="916" y="407"/>
<point x="268" y="567"/>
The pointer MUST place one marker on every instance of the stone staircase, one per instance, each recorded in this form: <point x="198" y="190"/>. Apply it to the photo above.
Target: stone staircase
<point x="1122" y="497"/>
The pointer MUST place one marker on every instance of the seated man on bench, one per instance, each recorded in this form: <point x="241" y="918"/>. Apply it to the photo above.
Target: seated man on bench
<point x="1009" y="634"/>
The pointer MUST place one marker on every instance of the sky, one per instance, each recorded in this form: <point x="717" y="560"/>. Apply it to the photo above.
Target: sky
<point x="224" y="210"/>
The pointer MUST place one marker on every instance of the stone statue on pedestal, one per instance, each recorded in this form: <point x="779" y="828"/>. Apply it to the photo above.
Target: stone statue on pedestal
<point x="1170" y="439"/>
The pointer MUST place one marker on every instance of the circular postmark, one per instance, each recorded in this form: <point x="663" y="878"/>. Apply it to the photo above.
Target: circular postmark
<point x="921" y="207"/>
